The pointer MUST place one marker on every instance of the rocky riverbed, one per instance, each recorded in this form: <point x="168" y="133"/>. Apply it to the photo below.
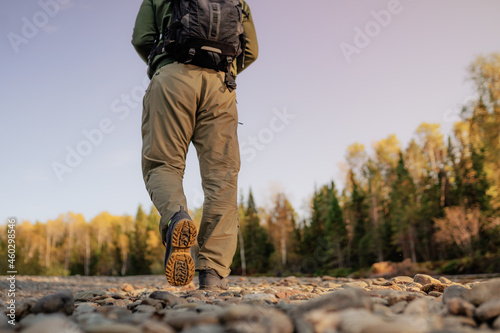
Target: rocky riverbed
<point x="332" y="305"/>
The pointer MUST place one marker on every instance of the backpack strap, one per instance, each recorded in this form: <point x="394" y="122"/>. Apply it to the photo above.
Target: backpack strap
<point x="230" y="79"/>
<point x="162" y="40"/>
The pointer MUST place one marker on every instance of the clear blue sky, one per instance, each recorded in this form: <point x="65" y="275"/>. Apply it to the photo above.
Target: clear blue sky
<point x="75" y="70"/>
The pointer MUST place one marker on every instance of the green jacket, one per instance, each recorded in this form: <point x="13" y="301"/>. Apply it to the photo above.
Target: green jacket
<point x="155" y="15"/>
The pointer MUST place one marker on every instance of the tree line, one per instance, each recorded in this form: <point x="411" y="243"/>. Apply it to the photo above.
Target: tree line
<point x="435" y="200"/>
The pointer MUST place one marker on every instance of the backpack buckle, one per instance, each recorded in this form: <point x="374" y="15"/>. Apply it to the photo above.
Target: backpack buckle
<point x="190" y="56"/>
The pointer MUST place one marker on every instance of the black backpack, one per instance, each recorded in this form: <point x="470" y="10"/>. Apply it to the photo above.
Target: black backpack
<point x="206" y="33"/>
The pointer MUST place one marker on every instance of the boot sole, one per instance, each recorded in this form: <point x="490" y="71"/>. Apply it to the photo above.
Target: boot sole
<point x="180" y="266"/>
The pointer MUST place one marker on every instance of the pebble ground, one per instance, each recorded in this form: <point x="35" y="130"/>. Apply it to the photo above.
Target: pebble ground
<point x="420" y="304"/>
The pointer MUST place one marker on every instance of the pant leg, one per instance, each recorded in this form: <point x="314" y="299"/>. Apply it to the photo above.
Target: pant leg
<point x="216" y="142"/>
<point x="168" y="122"/>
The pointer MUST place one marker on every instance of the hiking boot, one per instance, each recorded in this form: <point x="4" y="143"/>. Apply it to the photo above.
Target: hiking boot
<point x="211" y="280"/>
<point x="181" y="235"/>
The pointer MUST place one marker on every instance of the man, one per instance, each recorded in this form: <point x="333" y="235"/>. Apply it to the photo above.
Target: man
<point x="186" y="103"/>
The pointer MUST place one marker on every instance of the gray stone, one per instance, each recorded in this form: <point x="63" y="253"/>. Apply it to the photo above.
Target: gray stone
<point x="186" y="306"/>
<point x="496" y="324"/>
<point x="338" y="300"/>
<point x="155" y="303"/>
<point x="198" y="294"/>
<point x="460" y="307"/>
<point x="453" y="292"/>
<point x="122" y="303"/>
<point x="247" y="318"/>
<point x="319" y="320"/>
<point x="425" y="307"/>
<point x="84" y="308"/>
<point x="357" y="321"/>
<point x="153" y="326"/>
<point x="181" y="319"/>
<point x="445" y="280"/>
<point x="53" y="323"/>
<point x="59" y="302"/>
<point x="381" y="282"/>
<point x="471" y="285"/>
<point x="24" y="307"/>
<point x="117" y="296"/>
<point x="379" y="301"/>
<point x="260" y="298"/>
<point x="145" y="308"/>
<point x="115" y="313"/>
<point x="30" y="319"/>
<point x="424" y="279"/>
<point x="402" y="279"/>
<point x="399" y="307"/>
<point x="328" y="278"/>
<point x="437" y="295"/>
<point x="382" y="310"/>
<point x="292" y="279"/>
<point x="375" y="287"/>
<point x="413" y="287"/>
<point x="169" y="299"/>
<point x="483" y="292"/>
<point x="3" y="306"/>
<point x="4" y="320"/>
<point x="356" y="284"/>
<point x="110" y="301"/>
<point x="488" y="310"/>
<point x="395" y="296"/>
<point x="458" y="322"/>
<point x="133" y="305"/>
<point x="90" y="319"/>
<point x="330" y="285"/>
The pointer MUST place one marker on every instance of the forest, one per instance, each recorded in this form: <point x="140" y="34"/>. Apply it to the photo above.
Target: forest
<point x="434" y="201"/>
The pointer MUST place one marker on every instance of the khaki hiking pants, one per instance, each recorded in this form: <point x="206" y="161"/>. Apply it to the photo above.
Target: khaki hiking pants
<point x="185" y="103"/>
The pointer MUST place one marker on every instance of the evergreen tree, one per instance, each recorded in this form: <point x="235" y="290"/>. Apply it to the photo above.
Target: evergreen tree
<point x="336" y="228"/>
<point x="403" y="211"/>
<point x="139" y="263"/>
<point x="258" y="248"/>
<point x="362" y="238"/>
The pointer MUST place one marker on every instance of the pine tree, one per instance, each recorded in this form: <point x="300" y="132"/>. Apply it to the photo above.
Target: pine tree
<point x="139" y="263"/>
<point x="403" y="212"/>
<point x="258" y="248"/>
<point x="336" y="228"/>
<point x="362" y="241"/>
